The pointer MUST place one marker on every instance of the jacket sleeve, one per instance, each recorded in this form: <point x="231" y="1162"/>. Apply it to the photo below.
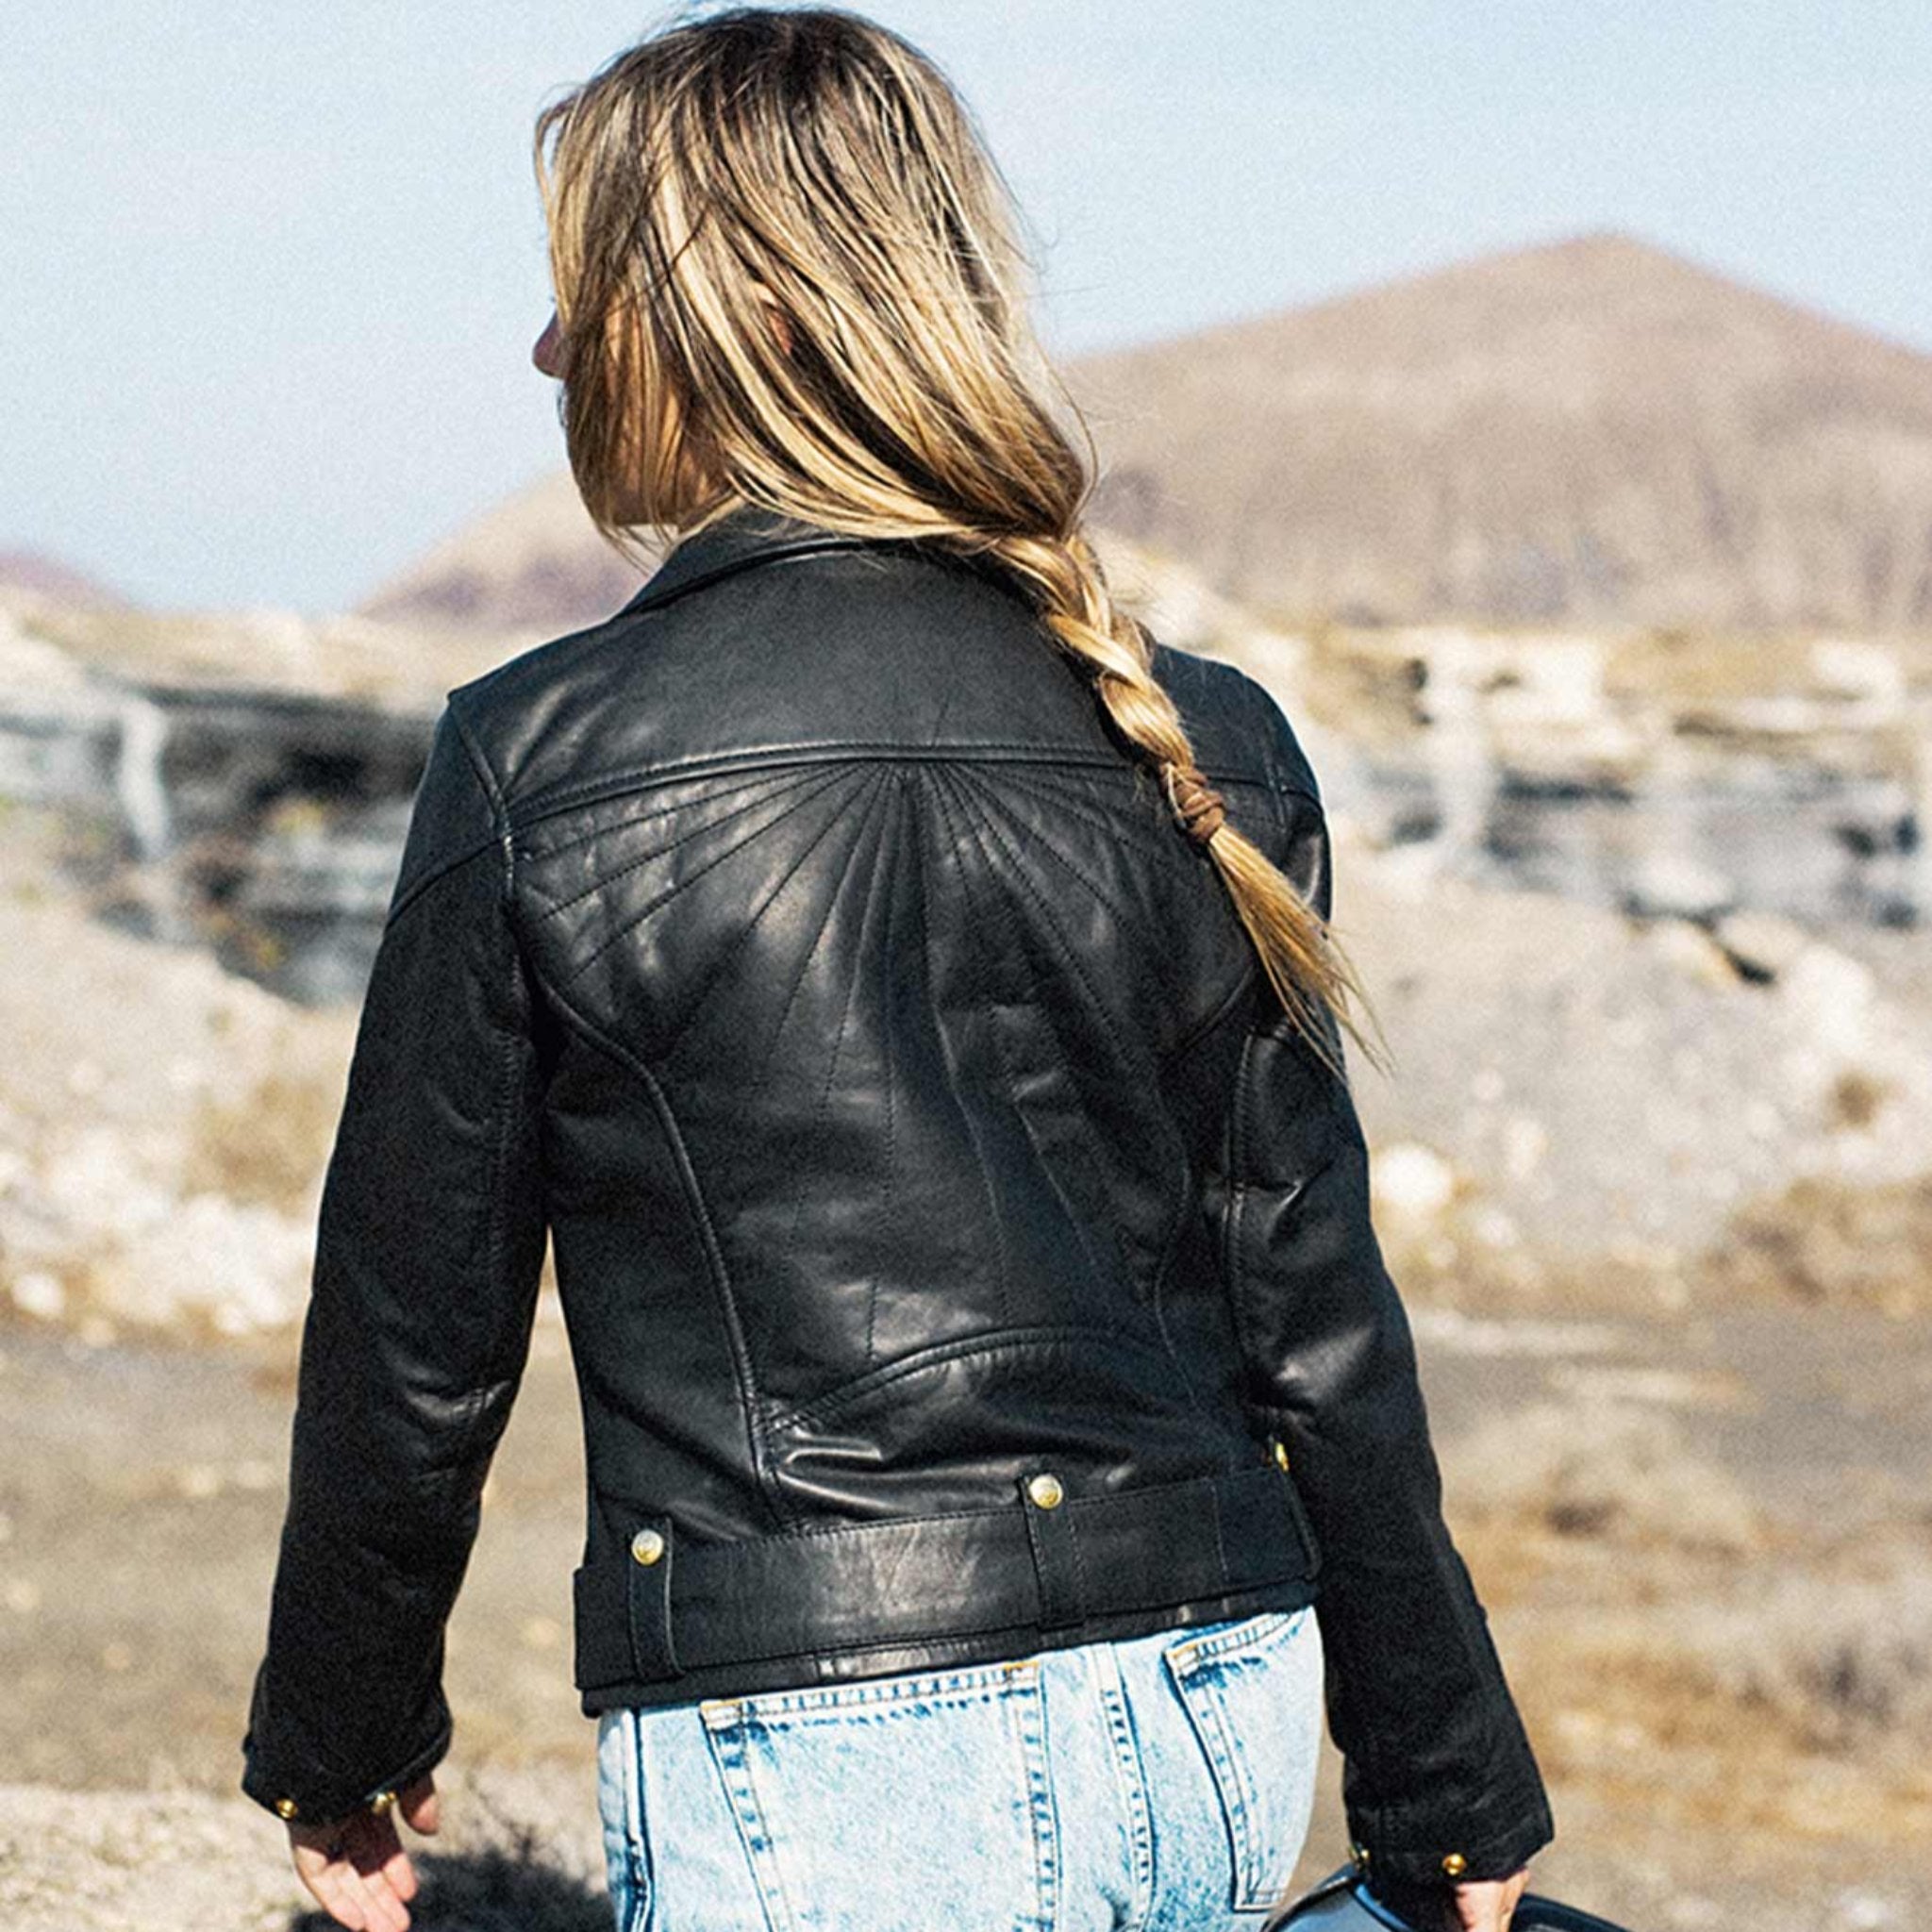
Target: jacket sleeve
<point x="1436" y="1760"/>
<point x="429" y="1244"/>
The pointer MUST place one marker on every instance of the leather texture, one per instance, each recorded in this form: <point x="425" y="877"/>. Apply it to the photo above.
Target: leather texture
<point x="948" y="1225"/>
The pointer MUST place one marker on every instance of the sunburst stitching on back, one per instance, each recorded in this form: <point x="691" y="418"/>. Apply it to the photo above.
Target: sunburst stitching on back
<point x="1095" y="1262"/>
<point x="775" y="784"/>
<point x="1067" y="951"/>
<point x="872" y="1299"/>
<point x="604" y="879"/>
<point x="1068" y="796"/>
<point x="934" y="776"/>
<point x="865" y="821"/>
<point x="714" y="978"/>
<point x="685" y="884"/>
<point x="804" y="959"/>
<point x="990" y="800"/>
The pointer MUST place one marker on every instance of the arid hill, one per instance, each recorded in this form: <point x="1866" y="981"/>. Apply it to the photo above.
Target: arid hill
<point x="47" y="580"/>
<point x="1594" y="430"/>
<point x="533" y="561"/>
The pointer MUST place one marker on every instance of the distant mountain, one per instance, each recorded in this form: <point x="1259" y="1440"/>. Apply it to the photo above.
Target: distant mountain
<point x="534" y="560"/>
<point x="51" y="581"/>
<point x="1591" y="430"/>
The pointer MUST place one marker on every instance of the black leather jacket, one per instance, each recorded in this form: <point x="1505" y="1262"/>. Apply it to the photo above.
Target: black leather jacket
<point x="959" y="1252"/>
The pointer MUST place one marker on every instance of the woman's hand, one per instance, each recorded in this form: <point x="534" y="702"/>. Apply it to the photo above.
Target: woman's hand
<point x="357" y="1869"/>
<point x="1486" y="1905"/>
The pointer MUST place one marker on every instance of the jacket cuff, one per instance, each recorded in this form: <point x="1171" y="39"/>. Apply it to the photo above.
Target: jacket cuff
<point x="1491" y="1844"/>
<point x="311" y="1794"/>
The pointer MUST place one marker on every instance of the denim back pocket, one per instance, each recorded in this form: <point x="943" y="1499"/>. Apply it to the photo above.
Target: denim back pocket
<point x="1253" y="1695"/>
<point x="898" y="1801"/>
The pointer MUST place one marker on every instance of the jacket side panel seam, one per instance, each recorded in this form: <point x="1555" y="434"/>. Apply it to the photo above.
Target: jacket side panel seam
<point x="700" y="1215"/>
<point x="496" y="1245"/>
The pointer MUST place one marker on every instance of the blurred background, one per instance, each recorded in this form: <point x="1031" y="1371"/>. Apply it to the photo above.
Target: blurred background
<point x="1538" y="399"/>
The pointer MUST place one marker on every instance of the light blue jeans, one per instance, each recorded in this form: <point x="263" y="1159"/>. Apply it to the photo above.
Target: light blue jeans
<point x="1159" y="1785"/>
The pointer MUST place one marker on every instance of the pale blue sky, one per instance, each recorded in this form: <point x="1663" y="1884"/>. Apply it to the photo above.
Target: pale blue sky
<point x="271" y="270"/>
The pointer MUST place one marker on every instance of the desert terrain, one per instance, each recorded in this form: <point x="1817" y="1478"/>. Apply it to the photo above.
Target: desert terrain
<point x="1692" y="1479"/>
<point x="1597" y="588"/>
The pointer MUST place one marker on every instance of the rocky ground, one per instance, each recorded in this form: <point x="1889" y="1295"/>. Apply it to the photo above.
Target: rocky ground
<point x="1658" y="1197"/>
<point x="1703" y="1538"/>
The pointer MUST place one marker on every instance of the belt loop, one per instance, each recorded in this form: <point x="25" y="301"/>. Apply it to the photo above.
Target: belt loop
<point x="1055" y="1551"/>
<point x="652" y="1650"/>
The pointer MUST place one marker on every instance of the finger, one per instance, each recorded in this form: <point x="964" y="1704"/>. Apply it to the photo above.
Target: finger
<point x="420" y="1808"/>
<point x="379" y="1858"/>
<point x="1517" y="1886"/>
<point x="387" y="1911"/>
<point x="400" y="1874"/>
<point x="373" y="1842"/>
<point x="336" y="1888"/>
<point x="391" y="1864"/>
<point x="1476" y="1907"/>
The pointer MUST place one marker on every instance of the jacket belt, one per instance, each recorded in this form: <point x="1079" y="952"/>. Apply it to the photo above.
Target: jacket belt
<point x="654" y="1611"/>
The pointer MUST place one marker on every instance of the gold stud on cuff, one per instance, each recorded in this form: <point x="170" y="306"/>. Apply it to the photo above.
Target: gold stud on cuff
<point x="285" y="1807"/>
<point x="1359" y="1853"/>
<point x="382" y="1802"/>
<point x="1280" y="1453"/>
<point x="1455" y="1864"/>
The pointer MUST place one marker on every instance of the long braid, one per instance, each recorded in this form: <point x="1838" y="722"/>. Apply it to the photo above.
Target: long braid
<point x="1300" y="954"/>
<point x="787" y="272"/>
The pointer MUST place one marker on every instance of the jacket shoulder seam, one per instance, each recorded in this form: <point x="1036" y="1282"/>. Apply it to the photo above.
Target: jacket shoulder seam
<point x="436" y="874"/>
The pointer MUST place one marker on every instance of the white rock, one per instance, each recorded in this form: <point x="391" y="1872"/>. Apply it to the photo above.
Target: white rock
<point x="241" y="1264"/>
<point x="1761" y="941"/>
<point x="1857" y="668"/>
<point x="39" y="1294"/>
<point x="98" y="1183"/>
<point x="1412" y="1179"/>
<point x="1669" y="885"/>
<point x="1687" y="946"/>
<point x="1494" y="1227"/>
<point x="1526" y="1141"/>
<point x="1831" y="994"/>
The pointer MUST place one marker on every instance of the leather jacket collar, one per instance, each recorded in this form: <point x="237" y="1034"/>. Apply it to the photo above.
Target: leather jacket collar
<point x="746" y="535"/>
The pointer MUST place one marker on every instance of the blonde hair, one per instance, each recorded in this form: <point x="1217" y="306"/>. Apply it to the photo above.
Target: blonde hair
<point x="787" y="273"/>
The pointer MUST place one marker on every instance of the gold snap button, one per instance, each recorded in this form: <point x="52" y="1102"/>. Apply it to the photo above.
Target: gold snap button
<point x="647" y="1547"/>
<point x="1455" y="1864"/>
<point x="383" y="1801"/>
<point x="1280" y="1449"/>
<point x="285" y="1807"/>
<point x="1045" y="1490"/>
